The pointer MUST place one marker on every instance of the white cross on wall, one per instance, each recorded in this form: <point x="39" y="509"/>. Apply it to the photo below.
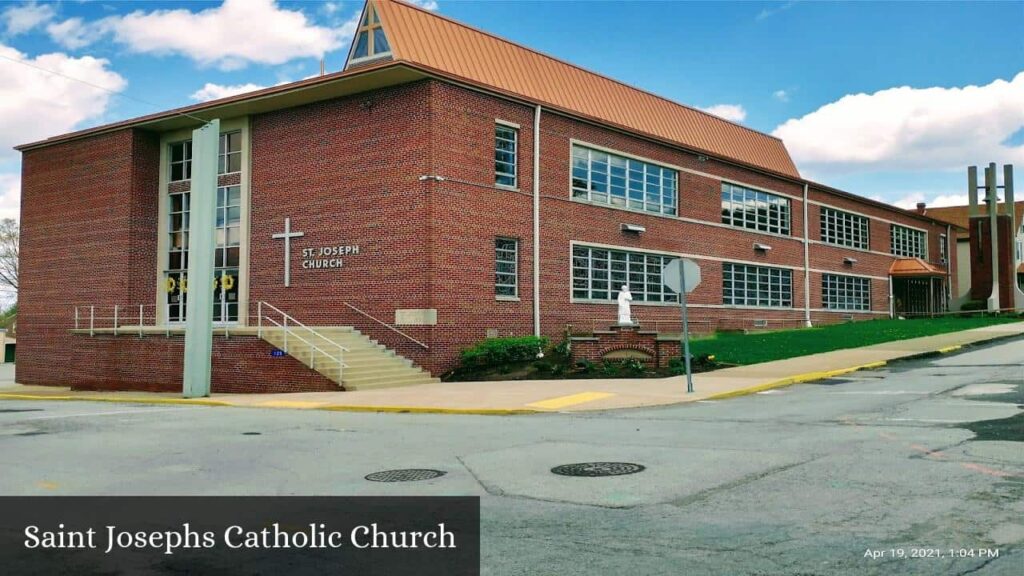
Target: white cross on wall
<point x="287" y="235"/>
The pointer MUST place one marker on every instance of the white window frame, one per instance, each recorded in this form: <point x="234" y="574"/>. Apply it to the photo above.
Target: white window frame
<point x="667" y="181"/>
<point x="223" y="153"/>
<point x="499" y="253"/>
<point x="845" y="229"/>
<point x="751" y="201"/>
<point x="185" y="162"/>
<point x="846" y="293"/>
<point x="742" y="286"/>
<point x="642" y="273"/>
<point x="908" y="242"/>
<point x="514" y="175"/>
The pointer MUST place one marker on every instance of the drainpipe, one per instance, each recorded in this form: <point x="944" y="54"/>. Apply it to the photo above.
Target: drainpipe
<point x="949" y="268"/>
<point x="536" y="221"/>
<point x="807" y="266"/>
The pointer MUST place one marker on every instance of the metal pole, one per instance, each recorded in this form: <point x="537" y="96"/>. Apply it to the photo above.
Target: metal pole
<point x="115" y="319"/>
<point x="92" y="320"/>
<point x="686" y="327"/>
<point x="76" y="317"/>
<point x="259" y="319"/>
<point x="141" y="320"/>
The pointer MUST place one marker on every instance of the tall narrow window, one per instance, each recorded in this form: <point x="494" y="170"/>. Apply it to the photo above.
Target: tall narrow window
<point x="943" y="254"/>
<point x="229" y="158"/>
<point x="370" y="39"/>
<point x="506" y="153"/>
<point x="181" y="161"/>
<point x="506" y="267"/>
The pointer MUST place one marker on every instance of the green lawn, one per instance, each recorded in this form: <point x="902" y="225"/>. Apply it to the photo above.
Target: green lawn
<point x="738" y="348"/>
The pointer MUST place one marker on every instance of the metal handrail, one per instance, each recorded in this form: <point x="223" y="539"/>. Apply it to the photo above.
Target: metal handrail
<point x="289" y="330"/>
<point x="121" y="313"/>
<point x="386" y="325"/>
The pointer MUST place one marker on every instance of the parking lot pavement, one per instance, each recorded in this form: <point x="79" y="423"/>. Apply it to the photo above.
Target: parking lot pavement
<point x="811" y="479"/>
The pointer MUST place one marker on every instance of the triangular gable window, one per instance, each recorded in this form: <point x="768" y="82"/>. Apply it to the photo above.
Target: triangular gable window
<point x="370" y="38"/>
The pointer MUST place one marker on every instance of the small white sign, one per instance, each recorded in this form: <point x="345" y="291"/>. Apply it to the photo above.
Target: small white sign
<point x="670" y="274"/>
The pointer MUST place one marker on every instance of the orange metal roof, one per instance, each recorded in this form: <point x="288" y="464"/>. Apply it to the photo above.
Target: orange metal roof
<point x="960" y="215"/>
<point x="914" y="267"/>
<point x="456" y="50"/>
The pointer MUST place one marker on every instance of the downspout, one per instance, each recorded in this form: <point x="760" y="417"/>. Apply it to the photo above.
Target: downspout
<point x="807" y="266"/>
<point x="536" y="221"/>
<point x="949" y="268"/>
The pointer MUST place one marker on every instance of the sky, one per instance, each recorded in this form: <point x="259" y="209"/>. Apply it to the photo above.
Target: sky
<point x="887" y="100"/>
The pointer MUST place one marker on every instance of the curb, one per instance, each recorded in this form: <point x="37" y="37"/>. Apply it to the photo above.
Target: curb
<point x="798" y="379"/>
<point x="329" y="408"/>
<point x="122" y="400"/>
<point x="422" y="410"/>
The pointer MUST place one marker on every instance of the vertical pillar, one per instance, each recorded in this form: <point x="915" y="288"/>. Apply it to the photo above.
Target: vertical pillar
<point x="992" y="198"/>
<point x="199" y="308"/>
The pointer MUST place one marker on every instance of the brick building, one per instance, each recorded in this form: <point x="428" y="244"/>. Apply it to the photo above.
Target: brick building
<point x="445" y="187"/>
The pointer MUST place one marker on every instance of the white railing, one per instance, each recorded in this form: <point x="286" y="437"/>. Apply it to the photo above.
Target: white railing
<point x="388" y="326"/>
<point x="127" y="319"/>
<point x="290" y="327"/>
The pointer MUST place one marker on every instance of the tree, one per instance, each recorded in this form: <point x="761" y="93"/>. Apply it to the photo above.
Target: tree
<point x="9" y="254"/>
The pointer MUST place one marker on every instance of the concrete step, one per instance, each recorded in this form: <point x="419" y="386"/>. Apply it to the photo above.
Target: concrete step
<point x="368" y="364"/>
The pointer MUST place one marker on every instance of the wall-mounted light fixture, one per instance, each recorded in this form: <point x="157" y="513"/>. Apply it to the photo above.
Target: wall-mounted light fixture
<point x="761" y="247"/>
<point x="633" y="228"/>
<point x="702" y="158"/>
<point x="849" y="261"/>
<point x="433" y="177"/>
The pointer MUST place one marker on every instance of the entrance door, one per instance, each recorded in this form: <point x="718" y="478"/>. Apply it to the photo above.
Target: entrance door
<point x="227" y="235"/>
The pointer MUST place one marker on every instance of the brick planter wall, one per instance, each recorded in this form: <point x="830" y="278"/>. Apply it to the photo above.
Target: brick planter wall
<point x="603" y="342"/>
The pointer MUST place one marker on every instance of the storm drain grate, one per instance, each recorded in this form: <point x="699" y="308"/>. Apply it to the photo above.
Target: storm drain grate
<point x="252" y="433"/>
<point x="405" y="475"/>
<point x="832" y="381"/>
<point x="595" y="469"/>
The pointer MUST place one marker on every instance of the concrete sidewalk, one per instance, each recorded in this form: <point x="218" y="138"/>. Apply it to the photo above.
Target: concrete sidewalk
<point x="514" y="397"/>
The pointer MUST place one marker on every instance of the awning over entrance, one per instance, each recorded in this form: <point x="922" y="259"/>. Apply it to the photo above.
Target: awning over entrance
<point x="918" y="288"/>
<point x="914" y="267"/>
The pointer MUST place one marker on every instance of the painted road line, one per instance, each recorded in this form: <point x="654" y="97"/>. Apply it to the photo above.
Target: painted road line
<point x="571" y="400"/>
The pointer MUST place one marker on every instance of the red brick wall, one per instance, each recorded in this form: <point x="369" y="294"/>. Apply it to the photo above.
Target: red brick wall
<point x="981" y="259"/>
<point x="346" y="172"/>
<point x="154" y="363"/>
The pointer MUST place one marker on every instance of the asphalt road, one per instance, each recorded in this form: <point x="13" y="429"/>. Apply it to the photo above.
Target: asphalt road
<point x="808" y="480"/>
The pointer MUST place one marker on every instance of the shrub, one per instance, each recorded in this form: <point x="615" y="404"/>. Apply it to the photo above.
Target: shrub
<point x="633" y="367"/>
<point x="586" y="366"/>
<point x="974" y="305"/>
<point x="495" y="352"/>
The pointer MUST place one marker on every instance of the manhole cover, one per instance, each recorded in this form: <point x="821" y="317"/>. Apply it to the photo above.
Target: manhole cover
<point x="594" y="469"/>
<point x="405" y="475"/>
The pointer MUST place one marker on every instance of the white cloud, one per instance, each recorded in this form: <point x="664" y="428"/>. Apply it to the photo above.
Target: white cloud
<point x="769" y="12"/>
<point x="10" y="195"/>
<point x="932" y="200"/>
<point x="230" y="36"/>
<point x="781" y="95"/>
<point x="910" y="129"/>
<point x="26" y="17"/>
<point x="36" y="105"/>
<point x="75" y="33"/>
<point x="425" y="4"/>
<point x="733" y="112"/>
<point x="211" y="91"/>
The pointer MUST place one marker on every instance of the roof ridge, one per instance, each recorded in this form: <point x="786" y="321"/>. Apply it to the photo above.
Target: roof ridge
<point x="576" y="66"/>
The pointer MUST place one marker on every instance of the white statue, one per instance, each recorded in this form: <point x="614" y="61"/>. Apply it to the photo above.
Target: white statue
<point x="625" y="318"/>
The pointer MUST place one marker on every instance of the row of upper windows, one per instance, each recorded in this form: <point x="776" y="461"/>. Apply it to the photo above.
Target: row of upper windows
<point x="598" y="273"/>
<point x="229" y="157"/>
<point x="607" y="178"/>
